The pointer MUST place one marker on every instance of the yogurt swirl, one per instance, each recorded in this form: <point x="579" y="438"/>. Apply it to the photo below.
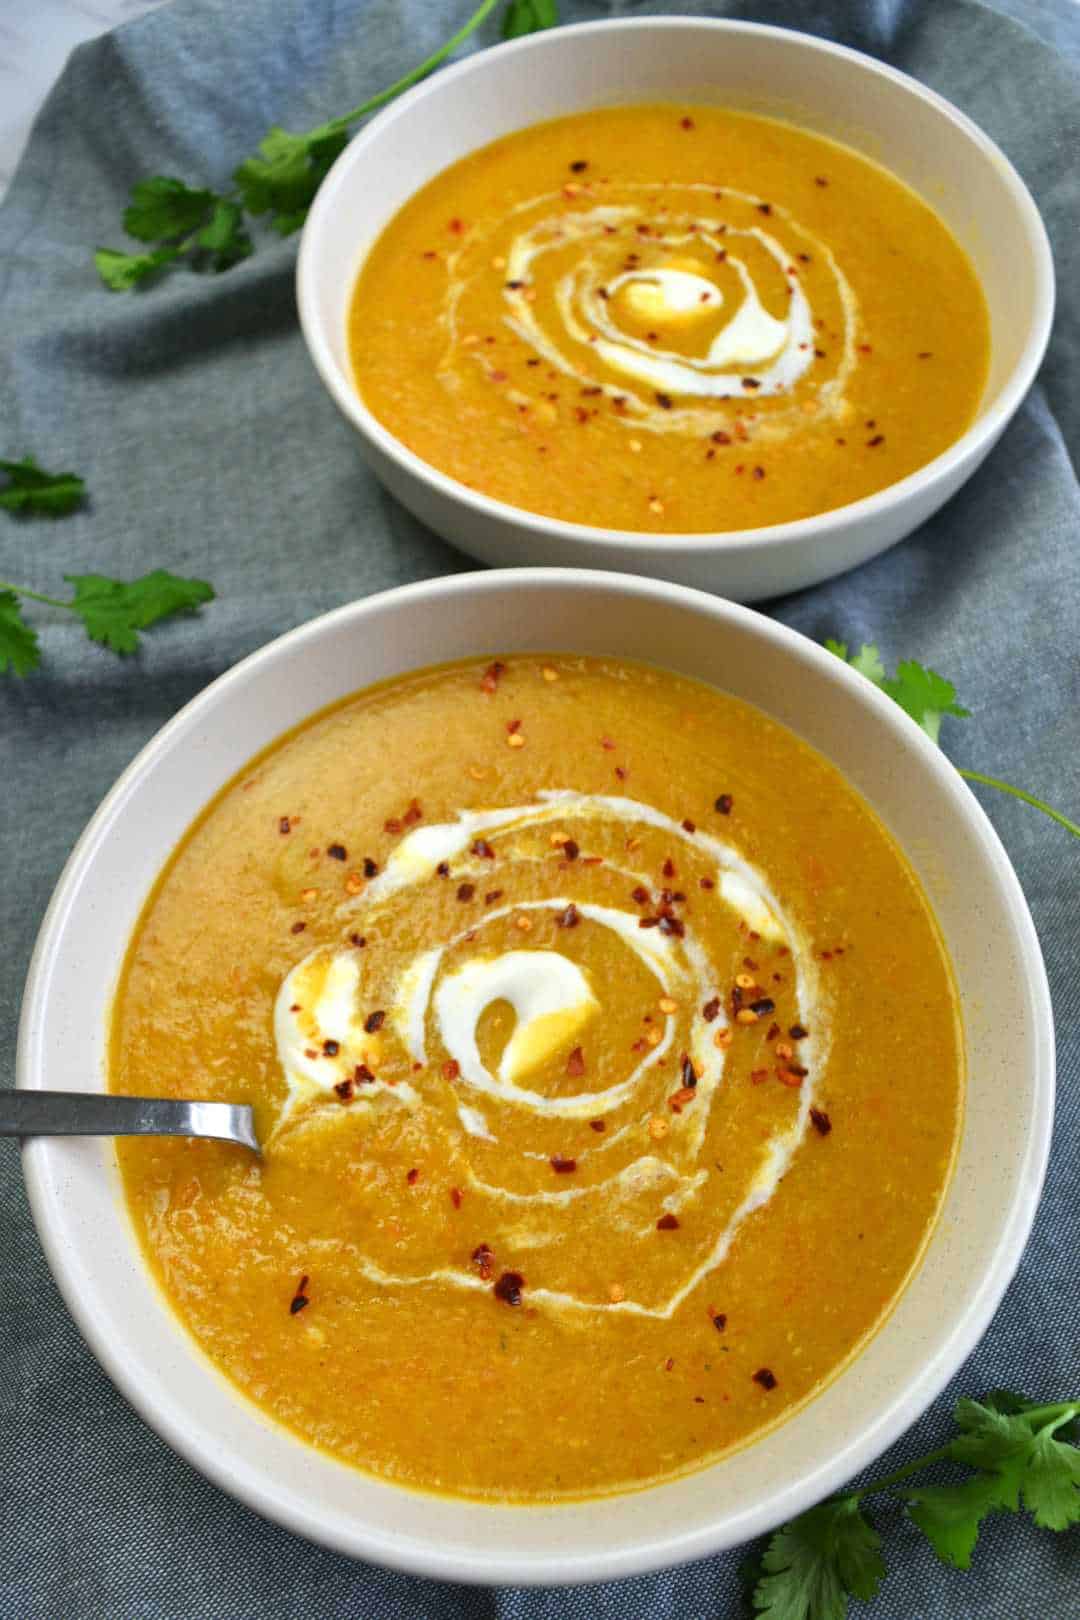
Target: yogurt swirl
<point x="503" y="1037"/>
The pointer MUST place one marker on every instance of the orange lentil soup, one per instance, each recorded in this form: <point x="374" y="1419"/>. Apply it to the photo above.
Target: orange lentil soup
<point x="668" y="319"/>
<point x="608" y="1065"/>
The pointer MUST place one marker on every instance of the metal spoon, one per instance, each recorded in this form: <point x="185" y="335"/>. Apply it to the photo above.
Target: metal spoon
<point x="86" y="1113"/>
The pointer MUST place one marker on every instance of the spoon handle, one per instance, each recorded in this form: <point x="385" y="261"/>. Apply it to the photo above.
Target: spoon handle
<point x="86" y="1113"/>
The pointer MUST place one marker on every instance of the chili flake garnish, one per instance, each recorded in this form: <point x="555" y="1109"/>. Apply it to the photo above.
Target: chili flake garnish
<point x="598" y="1124"/>
<point x="798" y="1033"/>
<point x="509" y="1286"/>
<point x="374" y="1021"/>
<point x="284" y="825"/>
<point x="765" y="1378"/>
<point x="299" y="1299"/>
<point x="371" y="868"/>
<point x="762" y="1006"/>
<point x="570" y="849"/>
<point x="664" y="401"/>
<point x="724" y="804"/>
<point x="575" y="1063"/>
<point x="330" y="1048"/>
<point x="820" y="1121"/>
<point x="298" y="928"/>
<point x="678" y="1099"/>
<point x="451" y="1069"/>
<point x="466" y="891"/>
<point x="344" y="1089"/>
<point x="490" y="678"/>
<point x="667" y="1223"/>
<point x="561" y="1166"/>
<point x="751" y="382"/>
<point x="570" y="917"/>
<point x="456" y="1196"/>
<point x="443" y="869"/>
<point x="579" y="166"/>
<point x="483" y="1258"/>
<point x="483" y="850"/>
<point x="337" y="852"/>
<point x="363" y="1075"/>
<point x="719" y="1321"/>
<point x="413" y="1177"/>
<point x="672" y="925"/>
<point x="711" y="1009"/>
<point x="491" y="896"/>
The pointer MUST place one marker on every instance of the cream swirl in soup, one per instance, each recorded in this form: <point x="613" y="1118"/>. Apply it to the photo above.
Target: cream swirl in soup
<point x="496" y="1024"/>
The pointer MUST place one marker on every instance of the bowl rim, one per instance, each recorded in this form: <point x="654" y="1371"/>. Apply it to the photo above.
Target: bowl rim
<point x="228" y="1467"/>
<point x="974" y="442"/>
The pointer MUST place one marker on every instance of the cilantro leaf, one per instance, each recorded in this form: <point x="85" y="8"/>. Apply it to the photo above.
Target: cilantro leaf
<point x="114" y="612"/>
<point x="162" y="208"/>
<point x="817" y="1561"/>
<point x="920" y="692"/>
<point x="30" y="489"/>
<point x="122" y="271"/>
<point x="529" y="17"/>
<point x="19" y="650"/>
<point x="223" y="239"/>
<point x="288" y="172"/>
<point x="867" y="660"/>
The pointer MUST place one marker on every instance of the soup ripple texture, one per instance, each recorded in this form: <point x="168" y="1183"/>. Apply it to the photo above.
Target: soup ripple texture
<point x="607" y="1060"/>
<point x="664" y="319"/>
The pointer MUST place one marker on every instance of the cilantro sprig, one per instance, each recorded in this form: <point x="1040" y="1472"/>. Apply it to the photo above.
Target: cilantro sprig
<point x="208" y="231"/>
<point x="112" y="611"/>
<point x="928" y="697"/>
<point x="1016" y="1455"/>
<point x="30" y="491"/>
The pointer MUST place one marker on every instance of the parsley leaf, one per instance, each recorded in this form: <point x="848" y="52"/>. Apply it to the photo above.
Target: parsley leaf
<point x="920" y="692"/>
<point x="529" y="17"/>
<point x="114" y="612"/>
<point x="813" y="1564"/>
<point x="205" y="229"/>
<point x="19" y="650"/>
<point x="950" y="1516"/>
<point x="30" y="489"/>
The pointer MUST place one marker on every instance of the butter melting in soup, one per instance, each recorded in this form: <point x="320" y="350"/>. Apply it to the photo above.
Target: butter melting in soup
<point x="607" y="1060"/>
<point x="670" y="319"/>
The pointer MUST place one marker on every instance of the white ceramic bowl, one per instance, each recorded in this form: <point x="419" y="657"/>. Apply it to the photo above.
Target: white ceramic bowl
<point x="74" y="1186"/>
<point x="837" y="92"/>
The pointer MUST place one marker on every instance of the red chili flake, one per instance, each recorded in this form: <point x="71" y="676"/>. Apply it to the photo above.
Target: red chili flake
<point x="299" y="1299"/>
<point x="483" y="1258"/>
<point x="456" y="227"/>
<point x="575" y="1063"/>
<point x="667" y="1223"/>
<point x="765" y="1378"/>
<point x="451" y="1069"/>
<point x="429" y="253"/>
<point x="762" y="1006"/>
<point x="686" y="123"/>
<point x="363" y="1075"/>
<point x="466" y="891"/>
<point x="443" y="869"/>
<point x="820" y="180"/>
<point x="456" y="1196"/>
<point x="798" y="1033"/>
<point x="607" y="744"/>
<point x="688" y="825"/>
<point x="672" y="925"/>
<point x="598" y="1124"/>
<point x="719" y="1321"/>
<point x="751" y="382"/>
<point x="514" y="286"/>
<point x="413" y="813"/>
<point x="820" y="1121"/>
<point x="579" y="166"/>
<point x="483" y="850"/>
<point x="295" y="1007"/>
<point x="298" y="928"/>
<point x="570" y="917"/>
<point x="759" y="473"/>
<point x="337" y="852"/>
<point x="284" y="825"/>
<point x="513" y="726"/>
<point x="581" y="414"/>
<point x="620" y="772"/>
<point x="571" y="850"/>
<point x="925" y="354"/>
<point x="707" y="883"/>
<point x="764" y="208"/>
<point x="345" y="1089"/>
<point x="648" y="922"/>
<point x="392" y="826"/>
<point x="413" y="1177"/>
<point x="371" y="868"/>
<point x="678" y="1099"/>
<point x="724" y="804"/>
<point x="490" y="678"/>
<point x="687" y="1072"/>
<point x="872" y="444"/>
<point x="772" y="1032"/>
<point x="374" y="1021"/>
<point x="819" y="354"/>
<point x="668" y="868"/>
<point x="640" y="895"/>
<point x="330" y="1048"/>
<point x="711" y="1009"/>
<point x="492" y="895"/>
<point x="669" y="1363"/>
<point x="561" y="1166"/>
<point x="509" y="1286"/>
<point x="806" y="259"/>
<point x="797" y="1070"/>
<point x="663" y="400"/>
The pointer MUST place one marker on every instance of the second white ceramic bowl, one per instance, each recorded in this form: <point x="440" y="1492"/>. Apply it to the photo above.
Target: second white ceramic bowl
<point x="74" y="1186"/>
<point x="839" y="93"/>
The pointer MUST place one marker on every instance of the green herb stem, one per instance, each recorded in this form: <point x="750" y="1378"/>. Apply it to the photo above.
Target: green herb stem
<point x="415" y="74"/>
<point x="942" y="1454"/>
<point x="35" y="596"/>
<point x="1028" y="798"/>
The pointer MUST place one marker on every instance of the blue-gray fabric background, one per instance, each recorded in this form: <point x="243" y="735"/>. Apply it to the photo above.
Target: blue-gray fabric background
<point x="210" y="448"/>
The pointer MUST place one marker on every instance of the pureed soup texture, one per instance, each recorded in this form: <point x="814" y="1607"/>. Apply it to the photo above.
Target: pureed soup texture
<point x="607" y="1060"/>
<point x="670" y="319"/>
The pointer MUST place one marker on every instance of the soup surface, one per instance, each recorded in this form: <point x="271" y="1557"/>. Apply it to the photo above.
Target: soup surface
<point x="607" y="1060"/>
<point x="670" y="319"/>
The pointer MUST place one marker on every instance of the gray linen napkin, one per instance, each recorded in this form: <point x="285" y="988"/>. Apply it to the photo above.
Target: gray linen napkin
<point x="210" y="448"/>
